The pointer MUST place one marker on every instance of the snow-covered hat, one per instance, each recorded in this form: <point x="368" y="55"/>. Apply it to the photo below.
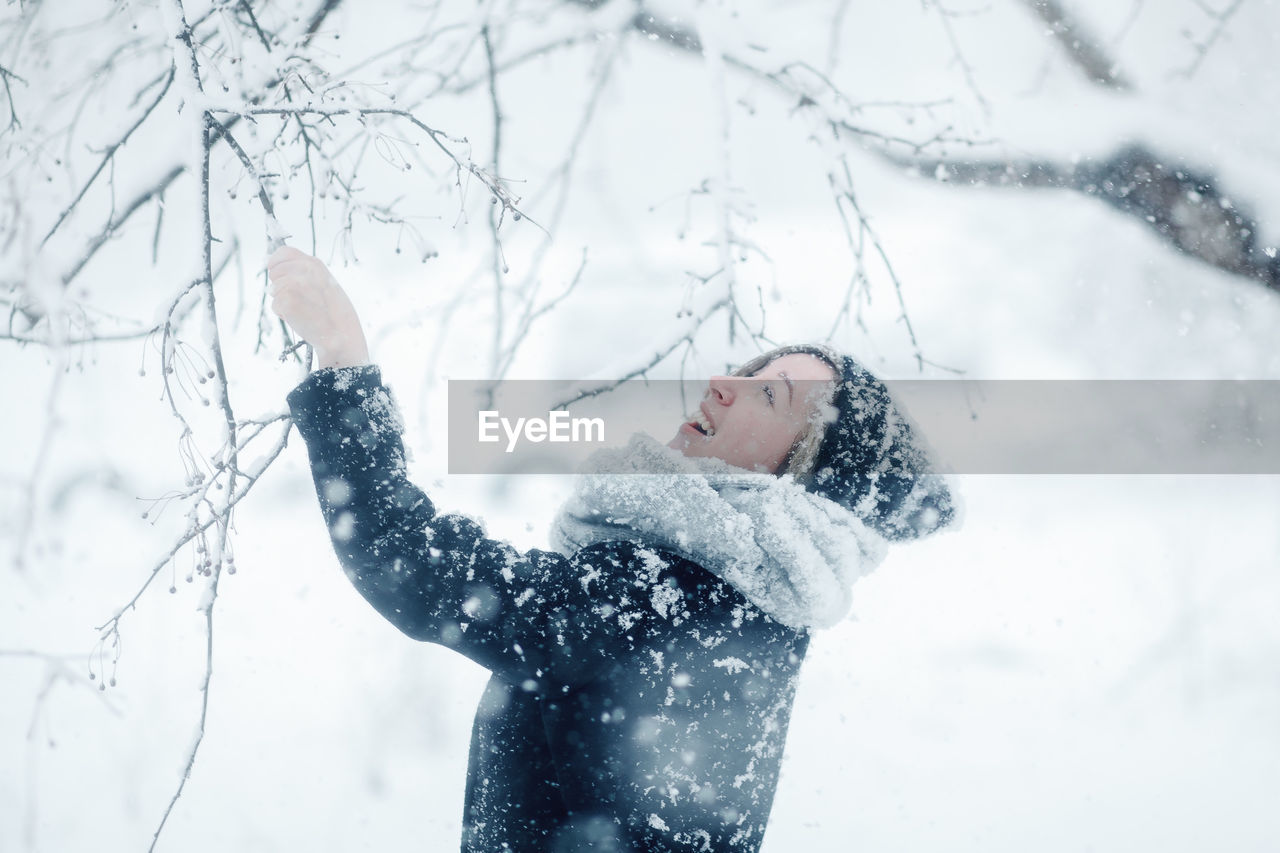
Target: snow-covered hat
<point x="865" y="454"/>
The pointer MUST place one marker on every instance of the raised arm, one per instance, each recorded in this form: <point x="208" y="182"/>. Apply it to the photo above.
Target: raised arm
<point x="532" y="617"/>
<point x="437" y="577"/>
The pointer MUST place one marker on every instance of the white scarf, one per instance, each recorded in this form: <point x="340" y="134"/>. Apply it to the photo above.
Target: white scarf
<point x="791" y="553"/>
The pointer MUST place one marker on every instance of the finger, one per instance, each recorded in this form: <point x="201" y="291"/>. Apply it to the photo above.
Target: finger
<point x="275" y="257"/>
<point x="283" y="266"/>
<point x="287" y="272"/>
<point x="285" y="285"/>
<point x="299" y="268"/>
<point x="283" y="252"/>
<point x="283" y="255"/>
<point x="284" y="305"/>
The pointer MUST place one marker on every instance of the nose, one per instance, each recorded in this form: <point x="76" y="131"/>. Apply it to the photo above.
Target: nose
<point x="720" y="389"/>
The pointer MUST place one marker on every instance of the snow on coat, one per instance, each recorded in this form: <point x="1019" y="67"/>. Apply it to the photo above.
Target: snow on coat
<point x="792" y="553"/>
<point x="638" y="702"/>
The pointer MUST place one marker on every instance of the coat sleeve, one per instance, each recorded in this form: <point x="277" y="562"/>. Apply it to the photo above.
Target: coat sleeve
<point x="533" y="618"/>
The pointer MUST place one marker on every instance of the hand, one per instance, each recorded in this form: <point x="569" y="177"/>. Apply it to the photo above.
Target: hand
<point x="306" y="296"/>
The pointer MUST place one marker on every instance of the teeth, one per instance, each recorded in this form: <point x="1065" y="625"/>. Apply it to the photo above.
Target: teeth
<point x="705" y="424"/>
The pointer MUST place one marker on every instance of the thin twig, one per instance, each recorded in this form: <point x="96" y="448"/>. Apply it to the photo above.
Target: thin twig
<point x="110" y="154"/>
<point x="491" y="182"/>
<point x="660" y="355"/>
<point x="5" y="76"/>
<point x="958" y="55"/>
<point x="1221" y="19"/>
<point x="495" y="215"/>
<point x="844" y="191"/>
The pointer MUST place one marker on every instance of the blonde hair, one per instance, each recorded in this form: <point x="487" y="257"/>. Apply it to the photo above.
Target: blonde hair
<point x="800" y="459"/>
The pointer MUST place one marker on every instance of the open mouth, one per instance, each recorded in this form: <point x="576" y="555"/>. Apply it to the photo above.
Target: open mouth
<point x="701" y="424"/>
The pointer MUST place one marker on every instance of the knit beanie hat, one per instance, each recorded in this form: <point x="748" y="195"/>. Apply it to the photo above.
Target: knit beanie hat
<point x="866" y="455"/>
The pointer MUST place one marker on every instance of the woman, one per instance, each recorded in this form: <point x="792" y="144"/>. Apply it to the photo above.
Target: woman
<point x="643" y="673"/>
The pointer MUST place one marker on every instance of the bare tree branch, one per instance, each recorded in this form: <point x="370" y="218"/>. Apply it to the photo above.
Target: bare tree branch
<point x="110" y="153"/>
<point x="957" y="53"/>
<point x="842" y="187"/>
<point x="500" y="267"/>
<point x="5" y="76"/>
<point x="1085" y="52"/>
<point x="684" y="338"/>
<point x="117" y="220"/>
<point x="223" y="518"/>
<point x="495" y="186"/>
<point x="253" y="22"/>
<point x="1220" y="21"/>
<point x="1184" y="206"/>
<point x="805" y="83"/>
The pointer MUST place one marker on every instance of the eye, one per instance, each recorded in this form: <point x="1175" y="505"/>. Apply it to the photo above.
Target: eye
<point x="768" y="394"/>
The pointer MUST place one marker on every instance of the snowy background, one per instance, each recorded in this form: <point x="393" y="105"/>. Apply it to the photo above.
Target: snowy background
<point x="1089" y="663"/>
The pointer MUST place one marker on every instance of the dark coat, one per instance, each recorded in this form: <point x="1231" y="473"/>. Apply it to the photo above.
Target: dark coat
<point x="637" y="703"/>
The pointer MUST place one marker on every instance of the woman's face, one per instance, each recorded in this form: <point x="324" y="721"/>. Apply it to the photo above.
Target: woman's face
<point x="752" y="421"/>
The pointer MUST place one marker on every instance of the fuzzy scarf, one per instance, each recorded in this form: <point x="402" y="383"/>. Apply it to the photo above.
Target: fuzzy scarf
<point x="791" y="553"/>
